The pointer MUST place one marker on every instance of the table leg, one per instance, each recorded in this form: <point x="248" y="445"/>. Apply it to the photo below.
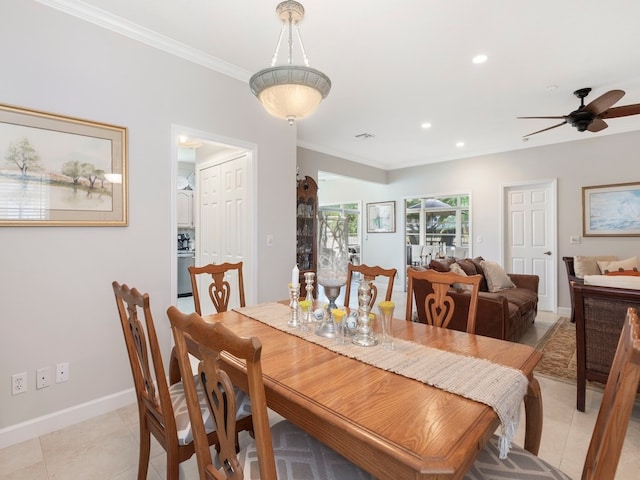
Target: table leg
<point x="533" y="414"/>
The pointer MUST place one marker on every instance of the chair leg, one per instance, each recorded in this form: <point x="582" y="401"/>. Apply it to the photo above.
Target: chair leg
<point x="581" y="388"/>
<point x="145" y="449"/>
<point x="173" y="464"/>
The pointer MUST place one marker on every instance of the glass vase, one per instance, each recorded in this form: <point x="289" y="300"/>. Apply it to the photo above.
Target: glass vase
<point x="333" y="259"/>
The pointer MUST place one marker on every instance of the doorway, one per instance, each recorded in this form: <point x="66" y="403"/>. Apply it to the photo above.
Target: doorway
<point x="217" y="157"/>
<point x="529" y="236"/>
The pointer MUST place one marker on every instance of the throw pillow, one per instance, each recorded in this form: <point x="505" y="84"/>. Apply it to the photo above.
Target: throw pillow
<point x="626" y="264"/>
<point x="468" y="266"/>
<point x="497" y="278"/>
<point x="441" y="265"/>
<point x="483" y="283"/>
<point x="457" y="269"/>
<point x="625" y="273"/>
<point x="583" y="265"/>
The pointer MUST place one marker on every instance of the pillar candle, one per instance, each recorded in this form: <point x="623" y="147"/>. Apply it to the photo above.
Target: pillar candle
<point x="295" y="276"/>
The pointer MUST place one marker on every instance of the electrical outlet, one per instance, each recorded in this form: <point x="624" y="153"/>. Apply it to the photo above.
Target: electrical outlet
<point x="62" y="372"/>
<point x="43" y="377"/>
<point x="18" y="383"/>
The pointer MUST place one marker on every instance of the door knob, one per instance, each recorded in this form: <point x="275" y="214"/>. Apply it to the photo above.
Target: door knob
<point x="548" y="252"/>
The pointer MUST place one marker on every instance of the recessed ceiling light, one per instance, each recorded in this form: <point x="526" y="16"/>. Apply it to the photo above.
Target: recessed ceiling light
<point x="480" y="58"/>
<point x="459" y="144"/>
<point x="426" y="125"/>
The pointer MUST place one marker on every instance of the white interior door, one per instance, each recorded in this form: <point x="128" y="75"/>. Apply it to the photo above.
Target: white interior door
<point x="223" y="221"/>
<point x="530" y="236"/>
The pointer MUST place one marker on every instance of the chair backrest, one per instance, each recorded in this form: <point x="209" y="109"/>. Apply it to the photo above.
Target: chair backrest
<point x="147" y="368"/>
<point x="439" y="305"/>
<point x="617" y="403"/>
<point x="212" y="340"/>
<point x="370" y="274"/>
<point x="219" y="289"/>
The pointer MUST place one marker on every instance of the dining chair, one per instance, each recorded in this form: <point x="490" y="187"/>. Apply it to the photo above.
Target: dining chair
<point x="608" y="435"/>
<point x="162" y="408"/>
<point x="432" y="293"/>
<point x="369" y="274"/>
<point x="219" y="289"/>
<point x="281" y="451"/>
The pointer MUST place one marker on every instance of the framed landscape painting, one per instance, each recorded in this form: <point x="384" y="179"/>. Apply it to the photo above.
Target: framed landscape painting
<point x="61" y="171"/>
<point x="611" y="210"/>
<point x="381" y="217"/>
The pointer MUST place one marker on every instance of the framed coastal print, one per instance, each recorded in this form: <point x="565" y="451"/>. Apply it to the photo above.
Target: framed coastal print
<point x="61" y="171"/>
<point x="381" y="217"/>
<point x="611" y="210"/>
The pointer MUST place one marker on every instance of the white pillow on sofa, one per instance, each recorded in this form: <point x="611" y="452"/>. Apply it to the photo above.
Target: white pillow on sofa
<point x="497" y="278"/>
<point x="616" y="281"/>
<point x="614" y="266"/>
<point x="584" y="265"/>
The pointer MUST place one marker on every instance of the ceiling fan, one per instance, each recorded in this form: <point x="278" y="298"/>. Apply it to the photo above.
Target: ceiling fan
<point x="590" y="117"/>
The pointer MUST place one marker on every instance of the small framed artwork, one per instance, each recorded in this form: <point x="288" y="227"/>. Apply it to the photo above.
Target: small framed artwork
<point x="611" y="210"/>
<point x="381" y="217"/>
<point x="61" y="171"/>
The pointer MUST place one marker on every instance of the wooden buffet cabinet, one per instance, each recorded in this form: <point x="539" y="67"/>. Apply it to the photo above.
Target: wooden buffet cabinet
<point x="306" y="226"/>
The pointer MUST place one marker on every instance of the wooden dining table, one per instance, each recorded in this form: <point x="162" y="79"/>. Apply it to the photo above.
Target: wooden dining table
<point x="390" y="425"/>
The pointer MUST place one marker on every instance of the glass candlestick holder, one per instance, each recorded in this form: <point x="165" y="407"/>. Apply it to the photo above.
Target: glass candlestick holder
<point x="364" y="335"/>
<point x="308" y="280"/>
<point x="294" y="321"/>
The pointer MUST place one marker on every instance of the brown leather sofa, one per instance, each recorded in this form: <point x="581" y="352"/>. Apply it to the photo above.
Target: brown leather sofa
<point x="506" y="314"/>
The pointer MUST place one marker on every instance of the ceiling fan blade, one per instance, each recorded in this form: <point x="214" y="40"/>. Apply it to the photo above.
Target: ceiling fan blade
<point x="545" y="129"/>
<point x="551" y="118"/>
<point x="623" y="111"/>
<point x="604" y="101"/>
<point x="597" y="125"/>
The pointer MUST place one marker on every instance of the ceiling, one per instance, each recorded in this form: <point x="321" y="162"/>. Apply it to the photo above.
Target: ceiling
<point x="396" y="65"/>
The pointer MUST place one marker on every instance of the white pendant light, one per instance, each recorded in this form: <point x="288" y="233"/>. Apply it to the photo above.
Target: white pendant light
<point x="290" y="91"/>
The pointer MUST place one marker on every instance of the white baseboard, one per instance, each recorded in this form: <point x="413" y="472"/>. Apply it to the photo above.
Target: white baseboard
<point x="63" y="418"/>
<point x="564" y="311"/>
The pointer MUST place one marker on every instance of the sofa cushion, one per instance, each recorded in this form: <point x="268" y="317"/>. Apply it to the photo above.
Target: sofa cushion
<point x="616" y="281"/>
<point x="497" y="278"/>
<point x="584" y="265"/>
<point x="612" y="266"/>
<point x="521" y="298"/>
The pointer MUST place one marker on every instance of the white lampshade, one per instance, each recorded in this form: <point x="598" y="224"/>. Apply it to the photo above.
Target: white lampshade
<point x="290" y="92"/>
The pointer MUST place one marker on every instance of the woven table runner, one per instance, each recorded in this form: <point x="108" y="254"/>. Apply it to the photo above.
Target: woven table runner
<point x="500" y="387"/>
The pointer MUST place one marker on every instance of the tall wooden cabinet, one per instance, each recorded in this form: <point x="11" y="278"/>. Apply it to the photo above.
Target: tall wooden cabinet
<point x="306" y="226"/>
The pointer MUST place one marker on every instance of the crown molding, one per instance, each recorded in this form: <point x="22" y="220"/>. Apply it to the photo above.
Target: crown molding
<point x="104" y="19"/>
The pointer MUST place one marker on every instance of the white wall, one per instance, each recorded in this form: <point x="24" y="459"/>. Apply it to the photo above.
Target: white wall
<point x="55" y="291"/>
<point x="593" y="160"/>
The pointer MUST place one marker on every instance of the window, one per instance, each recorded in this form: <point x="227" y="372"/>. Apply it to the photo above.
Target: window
<point x="443" y="221"/>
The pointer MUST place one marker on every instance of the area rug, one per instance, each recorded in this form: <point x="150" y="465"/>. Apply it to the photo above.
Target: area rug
<point x="559" y="349"/>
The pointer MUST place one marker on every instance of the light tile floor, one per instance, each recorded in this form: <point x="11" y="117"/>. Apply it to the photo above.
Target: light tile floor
<point x="106" y="447"/>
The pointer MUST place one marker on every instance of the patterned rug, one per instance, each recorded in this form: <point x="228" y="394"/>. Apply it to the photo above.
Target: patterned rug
<point x="559" y="349"/>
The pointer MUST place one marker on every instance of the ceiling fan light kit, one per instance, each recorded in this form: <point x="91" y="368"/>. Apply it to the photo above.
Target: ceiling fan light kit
<point x="590" y="117"/>
<point x="290" y="91"/>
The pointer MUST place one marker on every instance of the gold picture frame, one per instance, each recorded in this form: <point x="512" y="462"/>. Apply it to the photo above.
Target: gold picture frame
<point x="611" y="210"/>
<point x="61" y="171"/>
<point x="381" y="217"/>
